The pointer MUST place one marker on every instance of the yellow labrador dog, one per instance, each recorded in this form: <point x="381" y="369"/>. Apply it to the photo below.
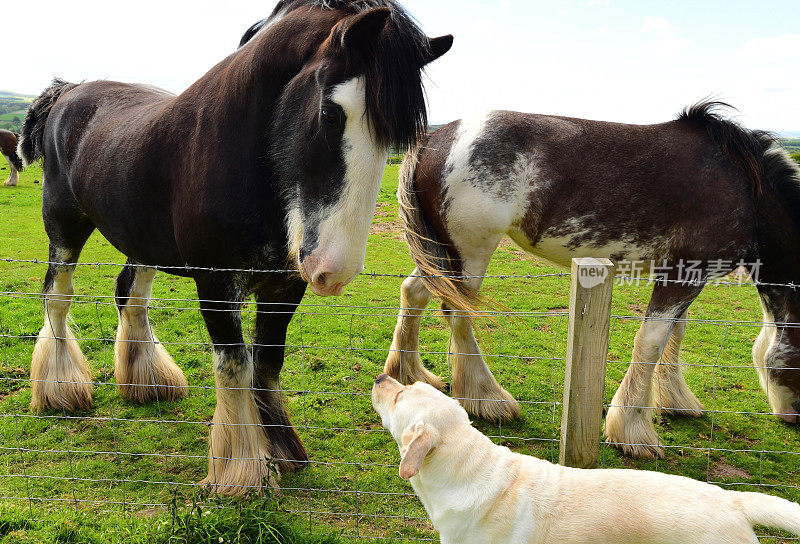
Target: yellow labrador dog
<point x="477" y="492"/>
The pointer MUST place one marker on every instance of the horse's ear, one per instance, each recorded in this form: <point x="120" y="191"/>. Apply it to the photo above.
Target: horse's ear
<point x="438" y="47"/>
<point x="418" y="440"/>
<point x="363" y="30"/>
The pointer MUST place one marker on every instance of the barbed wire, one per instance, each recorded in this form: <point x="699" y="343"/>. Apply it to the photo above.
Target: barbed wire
<point x="349" y="497"/>
<point x="622" y="278"/>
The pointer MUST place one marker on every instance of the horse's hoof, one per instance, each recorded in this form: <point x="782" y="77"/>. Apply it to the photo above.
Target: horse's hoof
<point x="791" y="417"/>
<point x="679" y="402"/>
<point x="684" y="412"/>
<point x="641" y="451"/>
<point x="497" y="406"/>
<point x="631" y="430"/>
<point x="241" y="481"/>
<point x="60" y="375"/>
<point x="411" y="370"/>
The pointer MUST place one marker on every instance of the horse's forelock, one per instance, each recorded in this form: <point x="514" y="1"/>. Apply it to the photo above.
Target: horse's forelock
<point x="395" y="97"/>
<point x="395" y="100"/>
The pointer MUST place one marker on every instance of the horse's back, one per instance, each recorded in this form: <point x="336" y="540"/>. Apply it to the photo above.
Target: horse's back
<point x="93" y="137"/>
<point x="594" y="187"/>
<point x="107" y="107"/>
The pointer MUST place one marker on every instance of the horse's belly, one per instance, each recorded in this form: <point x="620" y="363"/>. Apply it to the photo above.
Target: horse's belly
<point x="561" y="250"/>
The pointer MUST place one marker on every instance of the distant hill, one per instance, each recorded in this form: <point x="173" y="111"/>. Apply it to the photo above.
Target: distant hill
<point x="792" y="145"/>
<point x="12" y="109"/>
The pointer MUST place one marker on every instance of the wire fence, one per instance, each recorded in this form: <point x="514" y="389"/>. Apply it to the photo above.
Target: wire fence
<point x="122" y="457"/>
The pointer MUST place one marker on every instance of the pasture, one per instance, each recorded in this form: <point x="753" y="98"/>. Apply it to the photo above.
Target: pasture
<point x="12" y="110"/>
<point x="121" y="472"/>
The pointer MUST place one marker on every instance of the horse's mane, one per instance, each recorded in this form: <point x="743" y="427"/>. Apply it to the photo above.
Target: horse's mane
<point x="757" y="153"/>
<point x="743" y="147"/>
<point x="395" y="99"/>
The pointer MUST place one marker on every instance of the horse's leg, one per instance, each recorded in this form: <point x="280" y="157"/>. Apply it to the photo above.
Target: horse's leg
<point x="404" y="363"/>
<point x="238" y="459"/>
<point x="60" y="376"/>
<point x="774" y="354"/>
<point x="472" y="382"/>
<point x="670" y="392"/>
<point x="275" y="310"/>
<point x="13" y="177"/>
<point x="629" y="423"/>
<point x="144" y="370"/>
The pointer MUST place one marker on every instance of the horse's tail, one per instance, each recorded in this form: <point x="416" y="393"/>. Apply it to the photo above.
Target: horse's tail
<point x="31" y="142"/>
<point x="761" y="509"/>
<point x="437" y="261"/>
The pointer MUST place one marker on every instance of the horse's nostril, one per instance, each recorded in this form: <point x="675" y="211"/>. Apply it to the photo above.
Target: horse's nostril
<point x="321" y="279"/>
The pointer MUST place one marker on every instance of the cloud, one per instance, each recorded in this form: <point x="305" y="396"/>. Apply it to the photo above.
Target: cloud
<point x="782" y="47"/>
<point x="658" y="25"/>
<point x="602" y="31"/>
<point x="666" y="39"/>
<point x="598" y="3"/>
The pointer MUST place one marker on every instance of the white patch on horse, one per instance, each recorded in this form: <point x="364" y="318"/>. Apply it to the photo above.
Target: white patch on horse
<point x="13" y="177"/>
<point x="482" y="204"/>
<point x="20" y="154"/>
<point x="344" y="228"/>
<point x="294" y="225"/>
<point x="557" y="244"/>
<point x="767" y="355"/>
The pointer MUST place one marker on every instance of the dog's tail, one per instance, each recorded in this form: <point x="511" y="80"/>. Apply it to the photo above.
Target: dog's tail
<point x="31" y="141"/>
<point x="761" y="509"/>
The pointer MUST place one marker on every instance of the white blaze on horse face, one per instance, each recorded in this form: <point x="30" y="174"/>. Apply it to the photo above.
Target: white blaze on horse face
<point x="344" y="228"/>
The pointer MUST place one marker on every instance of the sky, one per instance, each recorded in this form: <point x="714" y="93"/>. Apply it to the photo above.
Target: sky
<point x="635" y="61"/>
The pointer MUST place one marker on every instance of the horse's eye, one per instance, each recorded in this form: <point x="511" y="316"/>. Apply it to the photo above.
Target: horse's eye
<point x="329" y="117"/>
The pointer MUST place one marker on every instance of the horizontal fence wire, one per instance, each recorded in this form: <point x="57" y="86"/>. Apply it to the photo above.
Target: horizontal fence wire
<point x="120" y="456"/>
<point x="623" y="278"/>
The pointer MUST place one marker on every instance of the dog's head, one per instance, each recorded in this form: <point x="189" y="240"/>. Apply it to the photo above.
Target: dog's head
<point x="418" y="416"/>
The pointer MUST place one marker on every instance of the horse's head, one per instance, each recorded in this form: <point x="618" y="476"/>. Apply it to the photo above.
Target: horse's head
<point x="360" y="93"/>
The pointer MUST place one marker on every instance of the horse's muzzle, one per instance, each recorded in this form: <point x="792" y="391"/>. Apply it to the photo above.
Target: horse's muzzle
<point x="323" y="278"/>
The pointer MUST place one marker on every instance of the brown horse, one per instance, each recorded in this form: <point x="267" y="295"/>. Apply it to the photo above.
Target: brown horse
<point x="8" y="147"/>
<point x="273" y="159"/>
<point x="700" y="189"/>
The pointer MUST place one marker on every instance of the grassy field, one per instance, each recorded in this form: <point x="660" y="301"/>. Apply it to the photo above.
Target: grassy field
<point x="13" y="115"/>
<point x="791" y="144"/>
<point x="112" y="473"/>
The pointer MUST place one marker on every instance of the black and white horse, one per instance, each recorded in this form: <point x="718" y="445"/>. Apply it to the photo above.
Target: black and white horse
<point x="700" y="189"/>
<point x="272" y="159"/>
<point x="8" y="147"/>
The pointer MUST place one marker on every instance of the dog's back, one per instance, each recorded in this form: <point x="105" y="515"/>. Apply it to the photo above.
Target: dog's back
<point x="478" y="492"/>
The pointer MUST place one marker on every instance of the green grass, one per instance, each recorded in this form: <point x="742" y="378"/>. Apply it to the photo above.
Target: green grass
<point x="116" y="469"/>
<point x="12" y="115"/>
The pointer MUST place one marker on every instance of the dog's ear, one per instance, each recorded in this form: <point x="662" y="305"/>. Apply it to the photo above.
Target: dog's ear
<point x="418" y="441"/>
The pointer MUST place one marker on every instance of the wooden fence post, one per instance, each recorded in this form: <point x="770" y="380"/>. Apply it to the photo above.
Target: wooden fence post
<point x="591" y="287"/>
